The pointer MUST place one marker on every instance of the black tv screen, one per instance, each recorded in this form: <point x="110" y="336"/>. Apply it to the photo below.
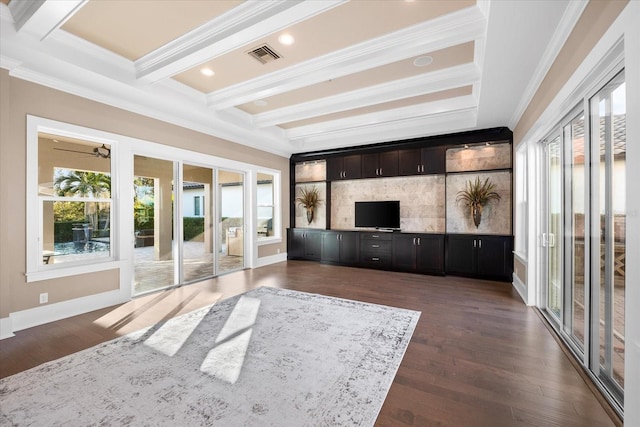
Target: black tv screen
<point x="378" y="214"/>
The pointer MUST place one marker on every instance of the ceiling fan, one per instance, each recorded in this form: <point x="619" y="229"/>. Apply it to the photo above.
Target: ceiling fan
<point x="103" y="152"/>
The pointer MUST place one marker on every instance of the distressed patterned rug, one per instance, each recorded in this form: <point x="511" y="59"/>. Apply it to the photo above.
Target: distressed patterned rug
<point x="269" y="357"/>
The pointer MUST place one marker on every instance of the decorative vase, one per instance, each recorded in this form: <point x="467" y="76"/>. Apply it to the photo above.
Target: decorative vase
<point x="476" y="213"/>
<point x="309" y="215"/>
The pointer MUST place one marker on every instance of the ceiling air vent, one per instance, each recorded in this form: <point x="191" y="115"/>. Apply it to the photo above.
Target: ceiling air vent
<point x="264" y="54"/>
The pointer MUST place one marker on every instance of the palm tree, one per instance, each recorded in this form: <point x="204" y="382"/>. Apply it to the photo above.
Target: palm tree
<point x="85" y="184"/>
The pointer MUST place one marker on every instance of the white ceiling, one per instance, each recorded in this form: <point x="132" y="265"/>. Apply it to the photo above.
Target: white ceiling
<point x="348" y="79"/>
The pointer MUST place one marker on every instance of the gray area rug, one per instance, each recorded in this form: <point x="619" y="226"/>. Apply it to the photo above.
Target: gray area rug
<point x="269" y="357"/>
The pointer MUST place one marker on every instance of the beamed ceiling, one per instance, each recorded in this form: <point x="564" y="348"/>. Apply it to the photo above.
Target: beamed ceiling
<point x="358" y="72"/>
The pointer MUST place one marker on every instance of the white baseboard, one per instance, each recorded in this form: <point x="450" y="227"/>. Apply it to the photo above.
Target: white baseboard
<point x="272" y="259"/>
<point x="50" y="313"/>
<point x="6" y="331"/>
<point x="520" y="287"/>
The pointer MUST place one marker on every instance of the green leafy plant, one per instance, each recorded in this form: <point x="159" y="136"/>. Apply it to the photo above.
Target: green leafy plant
<point x="476" y="195"/>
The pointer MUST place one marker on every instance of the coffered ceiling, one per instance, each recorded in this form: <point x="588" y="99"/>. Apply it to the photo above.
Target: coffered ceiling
<point x="353" y="72"/>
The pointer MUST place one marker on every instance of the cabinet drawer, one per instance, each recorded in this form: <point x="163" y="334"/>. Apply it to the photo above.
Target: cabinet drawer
<point x="375" y="260"/>
<point x="376" y="236"/>
<point x="375" y="246"/>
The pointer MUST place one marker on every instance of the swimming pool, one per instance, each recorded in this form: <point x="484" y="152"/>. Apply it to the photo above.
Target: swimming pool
<point x="75" y="248"/>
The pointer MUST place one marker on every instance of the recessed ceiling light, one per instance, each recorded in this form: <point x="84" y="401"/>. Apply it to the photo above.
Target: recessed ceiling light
<point x="286" y="39"/>
<point x="422" y="61"/>
<point x="207" y="71"/>
<point x="260" y="103"/>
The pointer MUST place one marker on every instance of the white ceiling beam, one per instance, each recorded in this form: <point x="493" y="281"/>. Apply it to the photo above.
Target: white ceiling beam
<point x="450" y="30"/>
<point x="244" y="24"/>
<point x="40" y="18"/>
<point x="456" y="121"/>
<point x="436" y="81"/>
<point x="445" y="106"/>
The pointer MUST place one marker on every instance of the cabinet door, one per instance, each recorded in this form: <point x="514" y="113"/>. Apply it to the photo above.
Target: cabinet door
<point x="334" y="168"/>
<point x="370" y="165"/>
<point x="295" y="245"/>
<point x="388" y="163"/>
<point x="493" y="256"/>
<point x="313" y="245"/>
<point x="404" y="252"/>
<point x="352" y="167"/>
<point x="330" y="246"/>
<point x="349" y="248"/>
<point x="409" y="162"/>
<point x="433" y="160"/>
<point x="430" y="254"/>
<point x="460" y="254"/>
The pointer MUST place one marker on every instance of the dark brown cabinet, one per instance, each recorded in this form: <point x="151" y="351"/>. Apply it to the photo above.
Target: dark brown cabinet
<point x="304" y="244"/>
<point x="380" y="164"/>
<point x="418" y="253"/>
<point x="346" y="167"/>
<point x="480" y="256"/>
<point x="422" y="161"/>
<point x="375" y="250"/>
<point x="340" y="247"/>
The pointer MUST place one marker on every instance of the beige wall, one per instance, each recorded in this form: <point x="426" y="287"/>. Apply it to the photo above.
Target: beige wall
<point x="20" y="98"/>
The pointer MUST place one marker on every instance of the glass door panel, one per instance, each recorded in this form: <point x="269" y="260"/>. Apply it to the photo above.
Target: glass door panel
<point x="230" y="221"/>
<point x="153" y="224"/>
<point x="552" y="239"/>
<point x="576" y="216"/>
<point x="197" y="223"/>
<point x="608" y="112"/>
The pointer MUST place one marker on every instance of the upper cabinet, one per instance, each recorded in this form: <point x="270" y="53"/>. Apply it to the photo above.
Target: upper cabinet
<point x="380" y="164"/>
<point x="421" y="161"/>
<point x="346" y="167"/>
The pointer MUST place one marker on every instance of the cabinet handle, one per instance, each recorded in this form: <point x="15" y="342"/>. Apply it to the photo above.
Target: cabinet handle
<point x="414" y="241"/>
<point x="479" y="243"/>
<point x="374" y="236"/>
<point x="474" y="243"/>
<point x="375" y="246"/>
<point x="422" y="168"/>
<point x="380" y="171"/>
<point x="418" y="168"/>
<point x="419" y="241"/>
<point x="375" y="259"/>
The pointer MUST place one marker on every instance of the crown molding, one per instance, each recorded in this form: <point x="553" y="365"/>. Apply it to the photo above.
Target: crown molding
<point x="569" y="19"/>
<point x="244" y="24"/>
<point x="446" y="31"/>
<point x="40" y="18"/>
<point x="449" y="78"/>
<point x="435" y="108"/>
<point x="448" y="122"/>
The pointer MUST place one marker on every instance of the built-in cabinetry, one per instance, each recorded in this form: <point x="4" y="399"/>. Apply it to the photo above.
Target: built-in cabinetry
<point x="425" y="175"/>
<point x="421" y="161"/>
<point x="477" y="255"/>
<point x="304" y="243"/>
<point x="380" y="164"/>
<point x="344" y="167"/>
<point x="340" y="247"/>
<point x="418" y="253"/>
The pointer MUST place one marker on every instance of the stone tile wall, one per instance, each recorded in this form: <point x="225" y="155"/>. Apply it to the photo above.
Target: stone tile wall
<point x="422" y="201"/>
<point x="320" y="214"/>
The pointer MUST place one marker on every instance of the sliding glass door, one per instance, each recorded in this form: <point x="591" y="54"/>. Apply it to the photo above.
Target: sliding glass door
<point x="583" y="232"/>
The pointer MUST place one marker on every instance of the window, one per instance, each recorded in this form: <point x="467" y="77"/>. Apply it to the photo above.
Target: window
<point x="70" y="206"/>
<point x="196" y="206"/>
<point x="267" y="196"/>
<point x="522" y="210"/>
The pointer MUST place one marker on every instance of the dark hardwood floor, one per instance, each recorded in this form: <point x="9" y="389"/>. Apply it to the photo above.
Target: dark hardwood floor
<point x="478" y="356"/>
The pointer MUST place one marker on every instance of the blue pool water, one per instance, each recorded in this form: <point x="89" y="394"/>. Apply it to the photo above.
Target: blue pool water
<point x="73" y="248"/>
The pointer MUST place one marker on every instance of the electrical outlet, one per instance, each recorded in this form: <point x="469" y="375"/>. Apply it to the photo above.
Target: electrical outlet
<point x="278" y="250"/>
<point x="44" y="298"/>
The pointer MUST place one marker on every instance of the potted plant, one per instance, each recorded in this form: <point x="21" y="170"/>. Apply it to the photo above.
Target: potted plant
<point x="309" y="199"/>
<point x="476" y="195"/>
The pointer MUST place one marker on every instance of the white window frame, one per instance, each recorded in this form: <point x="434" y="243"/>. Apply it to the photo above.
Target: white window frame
<point x="35" y="269"/>
<point x="277" y="211"/>
<point x="521" y="201"/>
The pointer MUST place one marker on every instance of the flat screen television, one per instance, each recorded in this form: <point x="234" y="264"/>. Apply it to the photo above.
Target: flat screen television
<point x="383" y="214"/>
